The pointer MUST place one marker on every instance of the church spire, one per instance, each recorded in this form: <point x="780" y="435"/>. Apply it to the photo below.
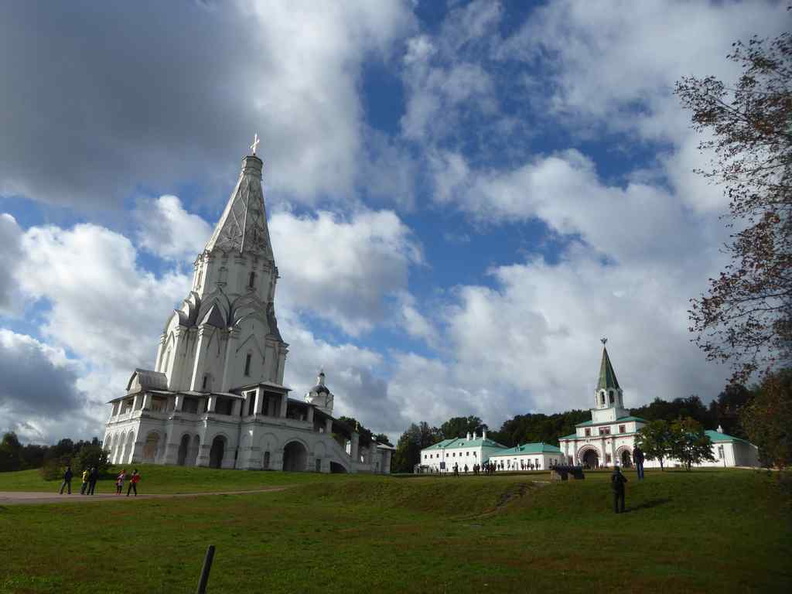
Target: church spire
<point x="243" y="225"/>
<point x="607" y="377"/>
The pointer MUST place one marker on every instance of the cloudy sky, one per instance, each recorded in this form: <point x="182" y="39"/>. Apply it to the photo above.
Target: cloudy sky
<point x="464" y="197"/>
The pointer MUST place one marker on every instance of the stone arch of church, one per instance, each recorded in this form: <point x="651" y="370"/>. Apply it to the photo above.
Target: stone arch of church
<point x="295" y="455"/>
<point x="152" y="446"/>
<point x="189" y="445"/>
<point x="218" y="299"/>
<point x="267" y="445"/>
<point x="118" y="447"/>
<point x="319" y="454"/>
<point x="590" y="455"/>
<point x="218" y="449"/>
<point x="129" y="447"/>
<point x="108" y="447"/>
<point x="338" y="465"/>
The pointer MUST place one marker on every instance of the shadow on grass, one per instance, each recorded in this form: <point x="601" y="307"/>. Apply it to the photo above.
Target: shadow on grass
<point x="647" y="504"/>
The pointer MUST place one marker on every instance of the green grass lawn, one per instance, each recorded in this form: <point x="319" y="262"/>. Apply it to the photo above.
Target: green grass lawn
<point x="701" y="531"/>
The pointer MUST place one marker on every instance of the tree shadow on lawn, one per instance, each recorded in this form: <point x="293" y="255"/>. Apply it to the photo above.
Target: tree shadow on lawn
<point x="647" y="504"/>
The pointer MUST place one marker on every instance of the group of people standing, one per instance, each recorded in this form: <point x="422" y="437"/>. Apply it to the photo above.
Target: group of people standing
<point x="90" y="476"/>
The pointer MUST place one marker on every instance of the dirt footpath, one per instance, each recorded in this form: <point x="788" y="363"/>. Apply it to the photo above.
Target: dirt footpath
<point x="27" y="497"/>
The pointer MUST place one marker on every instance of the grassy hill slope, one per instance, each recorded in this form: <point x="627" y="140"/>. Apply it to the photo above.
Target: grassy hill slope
<point x="702" y="531"/>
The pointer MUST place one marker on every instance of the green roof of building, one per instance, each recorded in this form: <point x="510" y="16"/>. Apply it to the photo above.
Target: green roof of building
<point x="607" y="377"/>
<point x="619" y="420"/>
<point x="531" y="448"/>
<point x="717" y="436"/>
<point x="570" y="436"/>
<point x="461" y="442"/>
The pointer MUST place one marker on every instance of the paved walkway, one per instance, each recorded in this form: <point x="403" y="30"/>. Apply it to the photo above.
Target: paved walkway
<point x="28" y="497"/>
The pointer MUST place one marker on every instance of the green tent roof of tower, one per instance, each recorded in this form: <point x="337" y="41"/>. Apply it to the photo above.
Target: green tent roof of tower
<point x="607" y="377"/>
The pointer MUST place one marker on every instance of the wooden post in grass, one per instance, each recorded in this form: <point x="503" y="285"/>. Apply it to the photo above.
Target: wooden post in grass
<point x="207" y="567"/>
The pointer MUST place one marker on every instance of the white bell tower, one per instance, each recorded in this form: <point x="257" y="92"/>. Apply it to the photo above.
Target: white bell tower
<point x="608" y="396"/>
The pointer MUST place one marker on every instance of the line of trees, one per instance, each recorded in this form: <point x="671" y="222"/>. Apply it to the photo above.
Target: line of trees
<point x="51" y="459"/>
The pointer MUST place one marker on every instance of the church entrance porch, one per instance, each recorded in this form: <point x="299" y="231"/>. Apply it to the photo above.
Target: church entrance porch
<point x="216" y="452"/>
<point x="295" y="457"/>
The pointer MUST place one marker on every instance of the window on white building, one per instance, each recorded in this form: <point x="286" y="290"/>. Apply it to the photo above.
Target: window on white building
<point x="247" y="363"/>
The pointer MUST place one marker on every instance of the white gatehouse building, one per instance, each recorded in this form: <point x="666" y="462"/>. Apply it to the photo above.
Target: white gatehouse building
<point x="609" y="437"/>
<point x="460" y="452"/>
<point x="216" y="396"/>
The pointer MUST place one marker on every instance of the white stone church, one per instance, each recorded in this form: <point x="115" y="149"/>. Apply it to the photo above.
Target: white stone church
<point x="609" y="437"/>
<point x="216" y="396"/>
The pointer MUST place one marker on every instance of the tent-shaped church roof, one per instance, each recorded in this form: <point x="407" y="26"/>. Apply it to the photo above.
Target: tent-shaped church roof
<point x="243" y="225"/>
<point x="607" y="377"/>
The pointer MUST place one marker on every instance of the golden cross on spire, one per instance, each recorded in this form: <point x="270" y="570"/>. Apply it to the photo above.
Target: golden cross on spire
<point x="255" y="143"/>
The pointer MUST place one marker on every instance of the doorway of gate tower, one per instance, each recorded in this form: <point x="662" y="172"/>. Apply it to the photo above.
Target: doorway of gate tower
<point x="591" y="459"/>
<point x="626" y="459"/>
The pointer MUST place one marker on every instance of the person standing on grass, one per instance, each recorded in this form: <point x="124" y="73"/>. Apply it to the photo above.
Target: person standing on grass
<point x="638" y="458"/>
<point x="617" y="485"/>
<point x="84" y="487"/>
<point x="67" y="477"/>
<point x="93" y="476"/>
<point x="120" y="482"/>
<point x="133" y="481"/>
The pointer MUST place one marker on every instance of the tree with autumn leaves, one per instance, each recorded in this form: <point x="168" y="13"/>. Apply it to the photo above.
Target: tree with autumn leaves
<point x="746" y="317"/>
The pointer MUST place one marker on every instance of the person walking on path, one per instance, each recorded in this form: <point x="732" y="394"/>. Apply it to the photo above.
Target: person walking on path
<point x="617" y="485"/>
<point x="638" y="458"/>
<point x="93" y="476"/>
<point x="133" y="481"/>
<point x="120" y="482"/>
<point x="84" y="487"/>
<point x="67" y="477"/>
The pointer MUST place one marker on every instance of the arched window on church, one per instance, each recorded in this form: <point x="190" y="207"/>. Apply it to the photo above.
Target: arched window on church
<point x="252" y="280"/>
<point x="248" y="358"/>
<point x="611" y="396"/>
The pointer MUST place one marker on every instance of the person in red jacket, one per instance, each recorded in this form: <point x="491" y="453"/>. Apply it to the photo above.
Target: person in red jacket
<point x="133" y="481"/>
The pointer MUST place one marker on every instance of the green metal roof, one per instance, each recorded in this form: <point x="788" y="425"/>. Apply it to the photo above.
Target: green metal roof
<point x="715" y="436"/>
<point x="531" y="448"/>
<point x="570" y="436"/>
<point x="619" y="420"/>
<point x="607" y="377"/>
<point x="461" y="442"/>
